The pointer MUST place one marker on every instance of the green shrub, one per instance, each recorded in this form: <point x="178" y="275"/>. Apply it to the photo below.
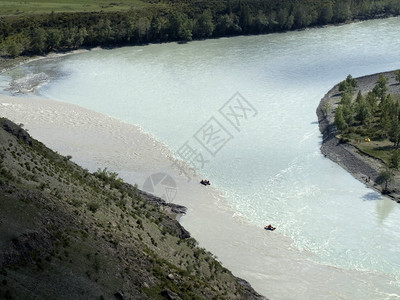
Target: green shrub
<point x="93" y="206"/>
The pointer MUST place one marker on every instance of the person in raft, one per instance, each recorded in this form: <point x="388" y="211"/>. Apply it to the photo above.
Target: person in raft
<point x="205" y="182"/>
<point x="269" y="227"/>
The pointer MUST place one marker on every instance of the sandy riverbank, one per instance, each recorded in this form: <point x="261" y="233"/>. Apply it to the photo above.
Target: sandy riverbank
<point x="359" y="164"/>
<point x="7" y="63"/>
<point x="268" y="261"/>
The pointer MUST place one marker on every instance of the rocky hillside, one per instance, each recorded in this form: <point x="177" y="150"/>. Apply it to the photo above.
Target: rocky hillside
<point x="68" y="234"/>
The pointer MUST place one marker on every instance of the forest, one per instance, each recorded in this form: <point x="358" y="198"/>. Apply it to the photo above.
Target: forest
<point x="375" y="115"/>
<point x="158" y="21"/>
<point x="371" y="122"/>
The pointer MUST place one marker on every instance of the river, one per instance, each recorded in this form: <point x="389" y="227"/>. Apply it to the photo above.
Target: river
<point x="242" y="111"/>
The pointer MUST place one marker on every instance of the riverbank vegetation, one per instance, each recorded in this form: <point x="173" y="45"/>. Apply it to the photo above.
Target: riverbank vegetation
<point x="29" y="28"/>
<point x="66" y="233"/>
<point x="370" y="121"/>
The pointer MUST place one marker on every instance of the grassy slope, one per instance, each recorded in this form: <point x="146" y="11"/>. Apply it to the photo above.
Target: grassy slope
<point x="68" y="234"/>
<point x="11" y="8"/>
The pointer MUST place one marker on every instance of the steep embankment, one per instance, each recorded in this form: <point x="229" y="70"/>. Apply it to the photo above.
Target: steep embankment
<point x="361" y="165"/>
<point x="68" y="234"/>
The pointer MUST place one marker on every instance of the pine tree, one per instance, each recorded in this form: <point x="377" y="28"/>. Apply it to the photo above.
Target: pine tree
<point x="340" y="122"/>
<point x="397" y="75"/>
<point x="363" y="112"/>
<point x="380" y="88"/>
<point x="385" y="176"/>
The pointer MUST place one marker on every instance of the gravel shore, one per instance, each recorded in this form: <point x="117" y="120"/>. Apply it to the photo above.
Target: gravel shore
<point x="361" y="165"/>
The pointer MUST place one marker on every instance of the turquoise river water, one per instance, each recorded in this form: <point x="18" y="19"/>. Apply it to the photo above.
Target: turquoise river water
<point x="259" y="148"/>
